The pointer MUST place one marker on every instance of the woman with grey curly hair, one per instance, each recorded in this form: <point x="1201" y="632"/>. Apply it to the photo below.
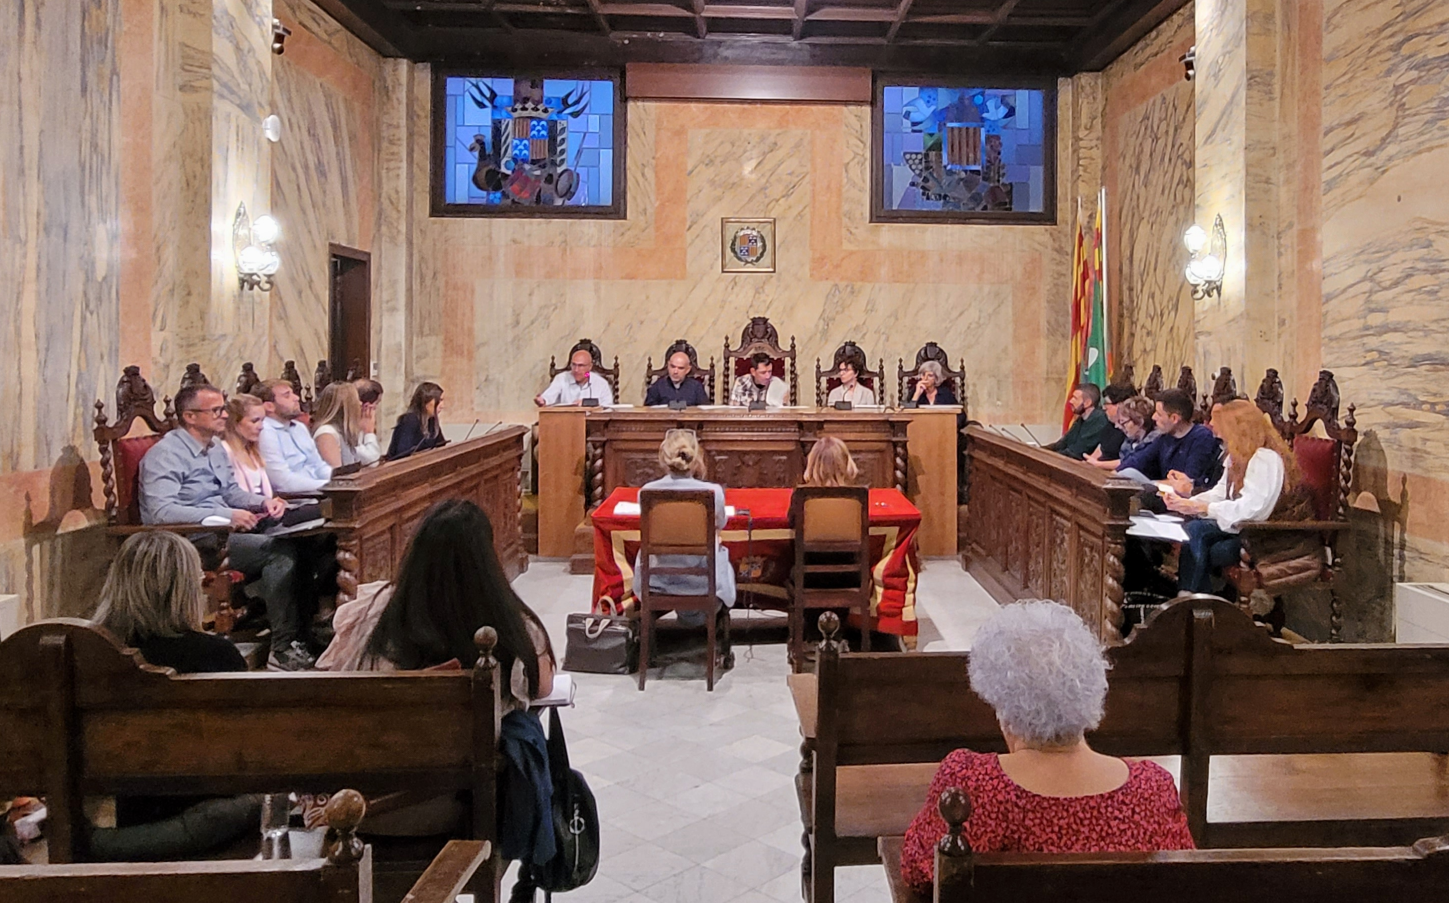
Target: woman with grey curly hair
<point x="932" y="387"/>
<point x="1045" y="674"/>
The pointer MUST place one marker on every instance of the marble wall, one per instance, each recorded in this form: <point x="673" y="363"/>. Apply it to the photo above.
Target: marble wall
<point x="1385" y="250"/>
<point x="1148" y="168"/>
<point x="493" y="299"/>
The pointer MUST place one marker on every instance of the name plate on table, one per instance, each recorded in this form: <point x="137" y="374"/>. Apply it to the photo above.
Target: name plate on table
<point x="589" y="402"/>
<point x="909" y="405"/>
<point x="758" y="406"/>
<point x="679" y="404"/>
<point x="844" y="406"/>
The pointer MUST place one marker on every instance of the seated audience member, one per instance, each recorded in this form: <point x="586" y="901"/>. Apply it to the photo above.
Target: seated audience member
<point x="830" y="464"/>
<point x="1044" y="673"/>
<point x="578" y="383"/>
<point x="932" y="387"/>
<point x="293" y="462"/>
<point x="1184" y="451"/>
<point x="187" y="478"/>
<point x="152" y="600"/>
<point x="850" y="388"/>
<point x="684" y="468"/>
<point x="676" y="385"/>
<point x="337" y="426"/>
<point x="245" y="415"/>
<point x="369" y="393"/>
<point x="1111" y="443"/>
<point x="449" y="584"/>
<point x="418" y="428"/>
<point x="1088" y="426"/>
<point x="1259" y="481"/>
<point x="1134" y="419"/>
<point x="760" y="384"/>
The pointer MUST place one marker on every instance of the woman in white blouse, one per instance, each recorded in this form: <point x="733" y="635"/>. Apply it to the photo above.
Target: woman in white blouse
<point x="850" y="388"/>
<point x="344" y="435"/>
<point x="1258" y="472"/>
<point x="244" y="417"/>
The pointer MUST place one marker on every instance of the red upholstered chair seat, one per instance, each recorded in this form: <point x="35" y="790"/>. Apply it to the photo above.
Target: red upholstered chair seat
<point x="126" y="455"/>
<point x="1318" y="460"/>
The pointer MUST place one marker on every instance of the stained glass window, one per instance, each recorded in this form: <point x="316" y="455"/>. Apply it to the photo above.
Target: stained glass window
<point x="964" y="153"/>
<point x="528" y="146"/>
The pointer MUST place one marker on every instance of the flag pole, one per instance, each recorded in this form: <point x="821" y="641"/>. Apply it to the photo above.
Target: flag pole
<point x="1106" y="295"/>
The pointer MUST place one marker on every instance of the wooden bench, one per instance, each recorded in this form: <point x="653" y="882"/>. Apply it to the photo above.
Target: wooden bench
<point x="1199" y="681"/>
<point x="1283" y="875"/>
<point x="82" y="716"/>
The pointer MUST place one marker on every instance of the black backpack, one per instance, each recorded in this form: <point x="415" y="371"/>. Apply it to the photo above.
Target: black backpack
<point x="575" y="821"/>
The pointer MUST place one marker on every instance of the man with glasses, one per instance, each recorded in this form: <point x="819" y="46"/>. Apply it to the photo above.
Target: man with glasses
<point x="578" y="383"/>
<point x="187" y="478"/>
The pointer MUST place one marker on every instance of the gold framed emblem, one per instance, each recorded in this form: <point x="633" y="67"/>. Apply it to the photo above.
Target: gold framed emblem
<point x="747" y="245"/>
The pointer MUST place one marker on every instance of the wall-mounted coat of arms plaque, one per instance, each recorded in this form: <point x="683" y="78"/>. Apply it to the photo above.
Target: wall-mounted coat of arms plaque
<point x="747" y="245"/>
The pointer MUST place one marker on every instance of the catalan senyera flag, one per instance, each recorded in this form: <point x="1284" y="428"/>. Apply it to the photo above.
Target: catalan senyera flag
<point x="1081" y="321"/>
<point x="1095" y="365"/>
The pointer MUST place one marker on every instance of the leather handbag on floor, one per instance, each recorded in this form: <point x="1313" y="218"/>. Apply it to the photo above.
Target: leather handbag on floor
<point x="606" y="643"/>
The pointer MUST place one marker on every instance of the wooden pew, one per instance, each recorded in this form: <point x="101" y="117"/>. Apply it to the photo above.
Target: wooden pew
<point x="1284" y="875"/>
<point x="1199" y="680"/>
<point x="82" y="716"/>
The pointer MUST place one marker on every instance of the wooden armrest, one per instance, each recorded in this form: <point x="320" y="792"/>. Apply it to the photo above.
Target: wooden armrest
<point x="449" y="872"/>
<point x="185" y="529"/>
<point x="1297" y="526"/>
<point x="890" y="858"/>
<point x="804" y="692"/>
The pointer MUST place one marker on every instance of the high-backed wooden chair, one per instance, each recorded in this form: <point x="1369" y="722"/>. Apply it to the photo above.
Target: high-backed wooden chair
<point x="120" y="459"/>
<point x="677" y="523"/>
<point x="1153" y="386"/>
<point x="758" y="336"/>
<point x="825" y="380"/>
<point x="248" y="380"/>
<point x="610" y="374"/>
<point x="831" y="526"/>
<point x="705" y="376"/>
<point x="906" y="379"/>
<point x="1281" y="555"/>
<point x="193" y="377"/>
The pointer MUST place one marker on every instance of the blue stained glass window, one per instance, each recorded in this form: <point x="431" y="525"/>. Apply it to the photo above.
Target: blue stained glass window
<point x="962" y="149"/>
<point x="528" y="142"/>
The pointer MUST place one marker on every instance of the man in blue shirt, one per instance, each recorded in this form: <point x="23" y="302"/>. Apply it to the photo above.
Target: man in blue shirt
<point x="187" y="478"/>
<point x="677" y="385"/>
<point x="293" y="462"/>
<point x="1186" y="454"/>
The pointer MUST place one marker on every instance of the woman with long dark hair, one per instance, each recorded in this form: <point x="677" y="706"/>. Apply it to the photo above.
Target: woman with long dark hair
<point x="418" y="428"/>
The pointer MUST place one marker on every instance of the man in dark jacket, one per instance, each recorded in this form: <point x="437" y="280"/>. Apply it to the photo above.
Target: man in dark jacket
<point x="1088" y="428"/>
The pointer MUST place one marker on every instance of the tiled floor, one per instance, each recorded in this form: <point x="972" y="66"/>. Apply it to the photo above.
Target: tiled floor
<point x="695" y="789"/>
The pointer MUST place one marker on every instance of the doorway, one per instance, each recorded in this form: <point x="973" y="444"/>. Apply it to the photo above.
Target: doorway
<point x="349" y="314"/>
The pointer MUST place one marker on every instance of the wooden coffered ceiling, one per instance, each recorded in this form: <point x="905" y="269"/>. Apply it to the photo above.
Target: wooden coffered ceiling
<point x="1015" y="37"/>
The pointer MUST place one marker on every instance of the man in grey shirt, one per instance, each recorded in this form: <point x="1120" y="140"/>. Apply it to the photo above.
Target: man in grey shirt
<point x="187" y="478"/>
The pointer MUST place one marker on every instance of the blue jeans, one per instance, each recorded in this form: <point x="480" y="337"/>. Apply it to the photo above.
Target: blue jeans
<point x="1208" y="550"/>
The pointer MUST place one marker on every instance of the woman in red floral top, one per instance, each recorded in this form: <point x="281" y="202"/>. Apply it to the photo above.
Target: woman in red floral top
<point x="1043" y="672"/>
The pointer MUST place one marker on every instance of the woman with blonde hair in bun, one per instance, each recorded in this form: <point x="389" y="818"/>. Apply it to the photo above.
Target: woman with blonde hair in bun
<point x="684" y="468"/>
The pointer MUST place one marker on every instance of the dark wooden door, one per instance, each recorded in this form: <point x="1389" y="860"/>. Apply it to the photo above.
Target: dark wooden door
<point x="349" y="316"/>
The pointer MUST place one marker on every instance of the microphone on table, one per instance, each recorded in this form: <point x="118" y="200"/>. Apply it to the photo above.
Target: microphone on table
<point x="470" y="431"/>
<point x="1029" y="433"/>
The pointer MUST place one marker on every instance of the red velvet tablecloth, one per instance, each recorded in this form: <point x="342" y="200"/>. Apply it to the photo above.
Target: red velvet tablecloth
<point x="761" y="548"/>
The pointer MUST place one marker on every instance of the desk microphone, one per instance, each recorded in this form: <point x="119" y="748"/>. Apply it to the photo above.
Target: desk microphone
<point x="1029" y="433"/>
<point x="470" y="431"/>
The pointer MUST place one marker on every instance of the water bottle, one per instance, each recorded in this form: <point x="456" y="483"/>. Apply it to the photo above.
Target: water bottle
<point x="276" y="818"/>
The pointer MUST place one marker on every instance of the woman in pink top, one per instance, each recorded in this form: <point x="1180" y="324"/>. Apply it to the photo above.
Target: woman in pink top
<point x="1044" y="673"/>
<point x="244" y="417"/>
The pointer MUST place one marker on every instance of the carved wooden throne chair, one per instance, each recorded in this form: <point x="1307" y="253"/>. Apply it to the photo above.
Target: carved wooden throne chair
<point x="759" y="336"/>
<point x="704" y="375"/>
<point x="825" y="380"/>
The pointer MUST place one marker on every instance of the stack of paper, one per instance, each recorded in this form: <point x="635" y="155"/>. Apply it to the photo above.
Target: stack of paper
<point x="1164" y="527"/>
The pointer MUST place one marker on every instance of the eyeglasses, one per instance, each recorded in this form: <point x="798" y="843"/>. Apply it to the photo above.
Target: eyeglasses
<point x="215" y="412"/>
<point x="670" y="434"/>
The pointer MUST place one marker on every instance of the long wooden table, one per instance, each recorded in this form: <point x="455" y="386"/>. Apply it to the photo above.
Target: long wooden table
<point x="1040" y="525"/>
<point x="586" y="453"/>
<point x="374" y="511"/>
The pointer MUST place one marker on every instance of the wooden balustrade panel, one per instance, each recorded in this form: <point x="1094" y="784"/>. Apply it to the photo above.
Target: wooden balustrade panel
<point x="1040" y="525"/>
<point x="375" y="510"/>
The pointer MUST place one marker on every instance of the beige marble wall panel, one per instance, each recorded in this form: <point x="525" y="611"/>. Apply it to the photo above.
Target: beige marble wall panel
<point x="1149" y="152"/>
<point x="493" y="299"/>
<point x="392" y="257"/>
<point x="1385" y="251"/>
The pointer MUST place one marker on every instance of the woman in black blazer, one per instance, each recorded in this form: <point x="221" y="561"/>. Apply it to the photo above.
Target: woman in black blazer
<point x="932" y="386"/>
<point x="418" y="428"/>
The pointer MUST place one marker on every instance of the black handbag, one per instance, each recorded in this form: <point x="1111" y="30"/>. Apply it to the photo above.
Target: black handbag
<point x="602" y="644"/>
<point x="575" y="821"/>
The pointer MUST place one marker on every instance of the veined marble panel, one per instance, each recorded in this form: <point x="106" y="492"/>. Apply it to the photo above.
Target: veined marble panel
<point x="1148" y="165"/>
<point x="513" y="292"/>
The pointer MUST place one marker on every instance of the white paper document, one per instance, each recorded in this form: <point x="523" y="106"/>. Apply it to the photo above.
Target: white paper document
<point x="632" y="509"/>
<point x="1149" y="527"/>
<point x="563" y="692"/>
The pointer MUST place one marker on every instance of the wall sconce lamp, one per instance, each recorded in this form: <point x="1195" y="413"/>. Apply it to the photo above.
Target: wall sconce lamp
<point x="256" y="260"/>
<point x="1205" y="270"/>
